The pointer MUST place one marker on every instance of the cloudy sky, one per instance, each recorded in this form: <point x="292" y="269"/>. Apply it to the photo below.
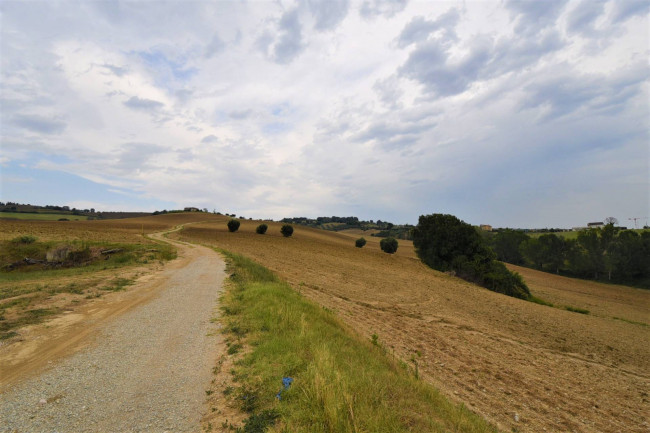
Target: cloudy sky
<point x="512" y="113"/>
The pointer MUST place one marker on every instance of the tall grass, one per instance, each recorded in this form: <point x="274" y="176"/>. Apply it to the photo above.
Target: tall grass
<point x="342" y="383"/>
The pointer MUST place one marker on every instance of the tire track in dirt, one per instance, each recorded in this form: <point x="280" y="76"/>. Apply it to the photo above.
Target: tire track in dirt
<point x="140" y="363"/>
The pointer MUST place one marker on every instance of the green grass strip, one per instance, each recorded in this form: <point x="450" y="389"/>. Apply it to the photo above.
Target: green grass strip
<point x="342" y="383"/>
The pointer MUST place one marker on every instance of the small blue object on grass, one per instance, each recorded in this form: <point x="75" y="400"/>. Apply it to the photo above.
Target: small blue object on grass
<point x="286" y="382"/>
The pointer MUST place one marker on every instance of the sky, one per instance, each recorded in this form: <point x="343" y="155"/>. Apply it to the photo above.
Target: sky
<point x="523" y="114"/>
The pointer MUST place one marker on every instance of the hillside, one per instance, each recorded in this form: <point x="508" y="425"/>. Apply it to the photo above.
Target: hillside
<point x="521" y="365"/>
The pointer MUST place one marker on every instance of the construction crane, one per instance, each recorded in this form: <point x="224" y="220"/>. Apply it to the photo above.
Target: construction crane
<point x="635" y="220"/>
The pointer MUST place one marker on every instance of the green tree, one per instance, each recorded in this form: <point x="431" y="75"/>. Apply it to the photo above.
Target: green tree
<point x="261" y="229"/>
<point x="507" y="243"/>
<point x="607" y="240"/>
<point x="592" y="252"/>
<point x="286" y="230"/>
<point x="233" y="225"/>
<point x="532" y="251"/>
<point x="440" y="240"/>
<point x="446" y="243"/>
<point x="388" y="245"/>
<point x="360" y="243"/>
<point x="629" y="254"/>
<point x="553" y="251"/>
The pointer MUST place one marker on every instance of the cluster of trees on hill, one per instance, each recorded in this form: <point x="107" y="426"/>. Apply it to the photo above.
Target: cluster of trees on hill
<point x="335" y="223"/>
<point x="448" y="244"/>
<point x="399" y="232"/>
<point x="28" y="208"/>
<point x="603" y="253"/>
<point x="342" y="223"/>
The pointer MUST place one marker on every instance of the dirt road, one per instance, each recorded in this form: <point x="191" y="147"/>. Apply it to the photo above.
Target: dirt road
<point x="137" y="363"/>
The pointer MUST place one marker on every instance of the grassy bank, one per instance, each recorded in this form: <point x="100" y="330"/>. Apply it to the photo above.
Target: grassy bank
<point x="73" y="257"/>
<point x="341" y="382"/>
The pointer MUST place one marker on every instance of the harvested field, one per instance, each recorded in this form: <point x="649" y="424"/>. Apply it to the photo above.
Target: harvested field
<point x="115" y="230"/>
<point x="604" y="300"/>
<point x="523" y="366"/>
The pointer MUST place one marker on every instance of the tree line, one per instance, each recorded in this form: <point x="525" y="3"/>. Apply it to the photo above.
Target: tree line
<point x="342" y="223"/>
<point x="607" y="253"/>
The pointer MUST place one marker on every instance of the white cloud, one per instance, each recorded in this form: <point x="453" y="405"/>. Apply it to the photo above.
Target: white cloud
<point x="382" y="109"/>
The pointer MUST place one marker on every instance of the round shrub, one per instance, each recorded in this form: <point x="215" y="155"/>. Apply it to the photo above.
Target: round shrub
<point x="286" y="230"/>
<point x="261" y="229"/>
<point x="388" y="245"/>
<point x="233" y="225"/>
<point x="359" y="243"/>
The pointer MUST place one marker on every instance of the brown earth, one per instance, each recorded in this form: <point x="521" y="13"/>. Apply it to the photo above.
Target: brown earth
<point x="523" y="366"/>
<point x="605" y="300"/>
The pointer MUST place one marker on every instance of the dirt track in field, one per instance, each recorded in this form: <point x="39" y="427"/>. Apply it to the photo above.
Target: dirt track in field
<point x="521" y="365"/>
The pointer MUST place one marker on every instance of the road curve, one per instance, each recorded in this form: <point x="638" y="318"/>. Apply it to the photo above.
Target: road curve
<point x="146" y="371"/>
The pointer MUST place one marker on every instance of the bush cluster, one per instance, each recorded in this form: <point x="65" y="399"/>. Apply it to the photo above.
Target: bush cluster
<point x="445" y="243"/>
<point x="360" y="243"/>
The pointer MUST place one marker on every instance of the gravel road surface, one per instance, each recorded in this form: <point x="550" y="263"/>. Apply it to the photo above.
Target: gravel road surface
<point x="147" y="370"/>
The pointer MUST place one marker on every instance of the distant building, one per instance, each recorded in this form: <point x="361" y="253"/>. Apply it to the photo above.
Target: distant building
<point x="192" y="209"/>
<point x="595" y="225"/>
<point x="486" y="227"/>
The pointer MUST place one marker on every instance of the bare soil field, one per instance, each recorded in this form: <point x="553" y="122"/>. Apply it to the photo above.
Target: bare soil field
<point x="523" y="366"/>
<point x="605" y="300"/>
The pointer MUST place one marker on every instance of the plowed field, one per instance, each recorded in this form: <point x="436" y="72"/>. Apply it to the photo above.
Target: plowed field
<point x="523" y="366"/>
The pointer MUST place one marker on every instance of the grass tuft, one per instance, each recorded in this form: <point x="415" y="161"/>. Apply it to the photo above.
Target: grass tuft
<point x="539" y="301"/>
<point x="24" y="239"/>
<point x="631" y="321"/>
<point x="258" y="423"/>
<point x="576" y="310"/>
<point x="118" y="284"/>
